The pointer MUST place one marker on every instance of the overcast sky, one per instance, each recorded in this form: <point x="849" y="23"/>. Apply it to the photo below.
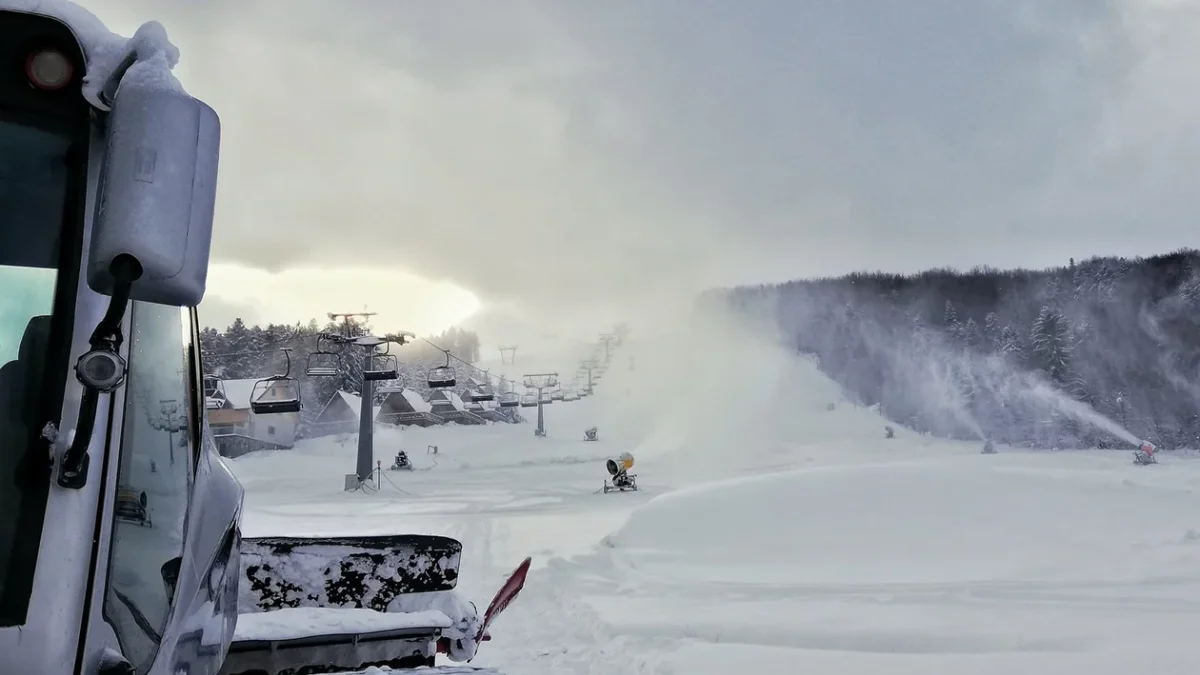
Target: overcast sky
<point x="565" y="162"/>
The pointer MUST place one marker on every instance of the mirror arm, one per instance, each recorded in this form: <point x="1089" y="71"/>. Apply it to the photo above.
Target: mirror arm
<point x="106" y="339"/>
<point x="125" y="270"/>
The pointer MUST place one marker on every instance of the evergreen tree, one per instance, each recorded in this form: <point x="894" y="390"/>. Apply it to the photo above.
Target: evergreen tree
<point x="1052" y="345"/>
<point x="992" y="330"/>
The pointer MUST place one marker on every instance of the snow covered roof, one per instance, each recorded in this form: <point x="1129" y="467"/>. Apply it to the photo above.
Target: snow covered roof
<point x="355" y="403"/>
<point x="442" y="397"/>
<point x="237" y="392"/>
<point x="106" y="53"/>
<point x="414" y="399"/>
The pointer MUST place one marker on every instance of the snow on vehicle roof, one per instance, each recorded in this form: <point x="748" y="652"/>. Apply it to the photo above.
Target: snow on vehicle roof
<point x="148" y="56"/>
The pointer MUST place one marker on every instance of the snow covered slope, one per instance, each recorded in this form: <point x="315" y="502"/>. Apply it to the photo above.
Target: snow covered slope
<point x="1057" y="563"/>
<point x="775" y="535"/>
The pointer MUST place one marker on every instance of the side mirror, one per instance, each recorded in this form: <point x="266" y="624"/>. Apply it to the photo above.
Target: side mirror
<point x="170" y="576"/>
<point x="158" y="192"/>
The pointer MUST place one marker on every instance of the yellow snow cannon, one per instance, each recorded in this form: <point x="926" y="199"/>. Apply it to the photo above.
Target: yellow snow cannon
<point x="618" y="468"/>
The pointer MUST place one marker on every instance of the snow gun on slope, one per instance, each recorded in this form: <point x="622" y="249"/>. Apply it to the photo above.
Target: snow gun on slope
<point x="618" y="468"/>
<point x="119" y="523"/>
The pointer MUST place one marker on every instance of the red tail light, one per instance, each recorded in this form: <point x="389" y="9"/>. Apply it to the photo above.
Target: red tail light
<point x="49" y="69"/>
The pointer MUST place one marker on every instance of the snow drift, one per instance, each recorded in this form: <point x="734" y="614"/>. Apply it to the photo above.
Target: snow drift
<point x="936" y="521"/>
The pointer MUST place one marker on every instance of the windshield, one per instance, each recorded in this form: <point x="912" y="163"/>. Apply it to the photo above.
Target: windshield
<point x="36" y="201"/>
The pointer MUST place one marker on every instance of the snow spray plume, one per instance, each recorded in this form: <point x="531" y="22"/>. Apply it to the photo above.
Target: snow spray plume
<point x="923" y="377"/>
<point x="934" y="379"/>
<point x="704" y="387"/>
<point x="1167" y="355"/>
<point x="969" y="375"/>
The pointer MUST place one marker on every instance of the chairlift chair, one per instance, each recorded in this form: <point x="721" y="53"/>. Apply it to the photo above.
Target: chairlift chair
<point x="442" y="377"/>
<point x="322" y="363"/>
<point x="213" y="385"/>
<point x="214" y="392"/>
<point x="285" y="392"/>
<point x="381" y="367"/>
<point x="482" y="394"/>
<point x="529" y="401"/>
<point x="391" y="386"/>
<point x="510" y="400"/>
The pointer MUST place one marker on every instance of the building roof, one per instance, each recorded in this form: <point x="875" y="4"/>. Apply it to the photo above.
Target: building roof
<point x="237" y="392"/>
<point x="354" y="401"/>
<point x="444" y="397"/>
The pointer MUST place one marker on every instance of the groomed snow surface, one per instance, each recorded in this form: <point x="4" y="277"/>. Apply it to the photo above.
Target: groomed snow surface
<point x="774" y="535"/>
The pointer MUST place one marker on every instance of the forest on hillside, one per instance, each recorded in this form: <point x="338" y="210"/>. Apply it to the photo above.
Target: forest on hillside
<point x="242" y="352"/>
<point x="1020" y="356"/>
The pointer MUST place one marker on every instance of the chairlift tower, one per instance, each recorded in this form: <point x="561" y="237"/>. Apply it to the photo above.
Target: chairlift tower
<point x="508" y="355"/>
<point x="376" y="365"/>
<point x="346" y="316"/>
<point x="607" y="339"/>
<point x="589" y="366"/>
<point x="365" y="465"/>
<point x="170" y="421"/>
<point x="541" y="382"/>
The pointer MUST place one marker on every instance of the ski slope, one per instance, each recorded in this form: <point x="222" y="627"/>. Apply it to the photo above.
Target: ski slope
<point x="774" y="534"/>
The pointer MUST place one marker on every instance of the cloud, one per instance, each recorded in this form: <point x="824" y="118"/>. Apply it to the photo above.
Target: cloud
<point x="573" y="159"/>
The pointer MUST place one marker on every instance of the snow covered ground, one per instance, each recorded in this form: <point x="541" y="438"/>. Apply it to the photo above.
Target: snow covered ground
<point x="774" y="534"/>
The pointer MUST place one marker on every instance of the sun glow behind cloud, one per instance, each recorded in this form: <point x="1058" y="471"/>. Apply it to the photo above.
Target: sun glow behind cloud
<point x="403" y="301"/>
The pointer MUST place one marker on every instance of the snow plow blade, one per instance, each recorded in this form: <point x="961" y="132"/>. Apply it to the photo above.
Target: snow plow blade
<point x="325" y="605"/>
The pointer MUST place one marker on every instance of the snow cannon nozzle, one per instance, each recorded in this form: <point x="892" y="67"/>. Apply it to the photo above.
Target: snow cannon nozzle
<point x="619" y="464"/>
